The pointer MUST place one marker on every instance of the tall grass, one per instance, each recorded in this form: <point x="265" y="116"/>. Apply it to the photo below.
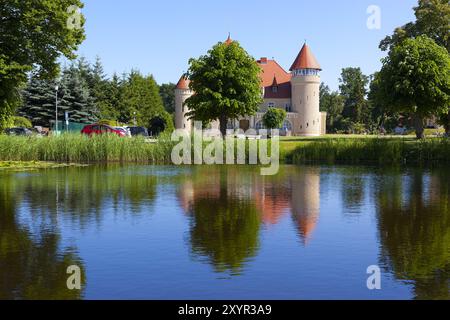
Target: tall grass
<point x="381" y="151"/>
<point x="75" y="148"/>
<point x="82" y="149"/>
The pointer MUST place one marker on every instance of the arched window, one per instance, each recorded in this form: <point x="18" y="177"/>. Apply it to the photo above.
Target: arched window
<point x="260" y="125"/>
<point x="287" y="126"/>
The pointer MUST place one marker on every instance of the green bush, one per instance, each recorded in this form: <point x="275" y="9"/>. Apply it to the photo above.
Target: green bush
<point x="21" y="122"/>
<point x="111" y="123"/>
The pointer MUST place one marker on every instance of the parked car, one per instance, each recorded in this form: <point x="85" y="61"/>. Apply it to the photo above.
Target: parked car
<point x="18" y="132"/>
<point x="138" y="131"/>
<point x="101" y="129"/>
<point x="125" y="130"/>
<point x="400" y="131"/>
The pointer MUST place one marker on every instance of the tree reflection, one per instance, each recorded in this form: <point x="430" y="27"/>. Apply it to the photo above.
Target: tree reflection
<point x="414" y="226"/>
<point x="32" y="263"/>
<point x="32" y="267"/>
<point x="82" y="194"/>
<point x="225" y="224"/>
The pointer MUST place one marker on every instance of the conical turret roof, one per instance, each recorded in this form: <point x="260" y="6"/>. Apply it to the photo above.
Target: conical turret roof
<point x="305" y="60"/>
<point x="229" y="40"/>
<point x="183" y="84"/>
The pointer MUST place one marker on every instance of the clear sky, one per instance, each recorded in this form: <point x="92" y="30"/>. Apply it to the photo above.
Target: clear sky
<point x="159" y="37"/>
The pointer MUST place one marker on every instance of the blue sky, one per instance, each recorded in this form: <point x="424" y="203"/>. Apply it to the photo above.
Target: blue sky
<point x="159" y="37"/>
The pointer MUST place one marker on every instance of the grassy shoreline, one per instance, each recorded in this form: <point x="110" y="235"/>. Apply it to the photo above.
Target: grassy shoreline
<point x="33" y="165"/>
<point x="328" y="150"/>
<point x="374" y="151"/>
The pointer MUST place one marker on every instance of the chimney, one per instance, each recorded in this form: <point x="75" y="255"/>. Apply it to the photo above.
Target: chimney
<point x="263" y="60"/>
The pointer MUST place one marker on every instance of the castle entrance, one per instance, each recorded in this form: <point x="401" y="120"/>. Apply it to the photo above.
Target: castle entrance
<point x="244" y="125"/>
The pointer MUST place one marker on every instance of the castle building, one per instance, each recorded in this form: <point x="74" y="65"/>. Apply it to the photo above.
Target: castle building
<point x="296" y="91"/>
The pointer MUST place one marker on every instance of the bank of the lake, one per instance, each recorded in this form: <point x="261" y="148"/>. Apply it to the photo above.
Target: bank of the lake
<point x="371" y="150"/>
<point x="33" y="165"/>
<point x="330" y="149"/>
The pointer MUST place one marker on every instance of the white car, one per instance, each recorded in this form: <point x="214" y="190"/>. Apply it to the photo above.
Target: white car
<point x="124" y="130"/>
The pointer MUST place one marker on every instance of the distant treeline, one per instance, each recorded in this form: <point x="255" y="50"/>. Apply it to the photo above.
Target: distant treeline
<point x="88" y="95"/>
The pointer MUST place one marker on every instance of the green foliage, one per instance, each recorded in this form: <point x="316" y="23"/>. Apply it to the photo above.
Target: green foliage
<point x="274" y="118"/>
<point x="39" y="99"/>
<point x="432" y="19"/>
<point x="226" y="83"/>
<point x="76" y="97"/>
<point x="333" y="104"/>
<point x="383" y="115"/>
<point x="21" y="122"/>
<point x="111" y="123"/>
<point x="415" y="78"/>
<point x="140" y="100"/>
<point x="167" y="93"/>
<point x="109" y="101"/>
<point x="33" y="34"/>
<point x="353" y="85"/>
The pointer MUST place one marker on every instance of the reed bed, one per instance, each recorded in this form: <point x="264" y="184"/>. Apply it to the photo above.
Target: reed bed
<point x="76" y="148"/>
<point x="380" y="151"/>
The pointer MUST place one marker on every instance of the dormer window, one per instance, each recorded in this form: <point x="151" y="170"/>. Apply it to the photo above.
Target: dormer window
<point x="275" y="89"/>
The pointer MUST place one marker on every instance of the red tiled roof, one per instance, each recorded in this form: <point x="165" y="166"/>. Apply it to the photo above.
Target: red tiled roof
<point x="305" y="60"/>
<point x="272" y="71"/>
<point x="275" y="82"/>
<point x="183" y="84"/>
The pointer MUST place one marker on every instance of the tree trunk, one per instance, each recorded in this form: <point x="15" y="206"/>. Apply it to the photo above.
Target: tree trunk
<point x="418" y="124"/>
<point x="223" y="125"/>
<point x="447" y="125"/>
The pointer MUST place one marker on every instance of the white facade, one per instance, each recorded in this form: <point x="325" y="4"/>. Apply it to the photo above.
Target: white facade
<point x="299" y="95"/>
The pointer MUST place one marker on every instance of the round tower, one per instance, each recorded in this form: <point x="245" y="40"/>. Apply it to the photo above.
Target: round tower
<point x="182" y="92"/>
<point x="305" y="93"/>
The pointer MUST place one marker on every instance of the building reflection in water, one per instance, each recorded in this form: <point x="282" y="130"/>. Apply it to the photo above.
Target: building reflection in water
<point x="227" y="207"/>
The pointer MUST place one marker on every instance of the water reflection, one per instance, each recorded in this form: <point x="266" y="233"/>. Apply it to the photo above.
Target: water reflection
<point x="415" y="234"/>
<point x="32" y="266"/>
<point x="33" y="263"/>
<point x="228" y="209"/>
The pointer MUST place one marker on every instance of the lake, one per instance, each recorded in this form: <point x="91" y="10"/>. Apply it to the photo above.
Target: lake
<point x="207" y="232"/>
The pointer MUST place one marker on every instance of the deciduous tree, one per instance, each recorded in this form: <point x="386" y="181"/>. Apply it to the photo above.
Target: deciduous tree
<point x="415" y="78"/>
<point x="227" y="85"/>
<point x="33" y="34"/>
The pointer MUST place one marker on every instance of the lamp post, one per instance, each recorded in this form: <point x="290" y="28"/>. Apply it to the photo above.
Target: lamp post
<point x="135" y="122"/>
<point x="56" y="112"/>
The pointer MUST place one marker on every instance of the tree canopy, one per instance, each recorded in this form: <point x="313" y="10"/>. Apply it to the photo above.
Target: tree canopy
<point x="226" y="83"/>
<point x="33" y="35"/>
<point x="432" y="19"/>
<point x="415" y="78"/>
<point x="274" y="118"/>
<point x="353" y="87"/>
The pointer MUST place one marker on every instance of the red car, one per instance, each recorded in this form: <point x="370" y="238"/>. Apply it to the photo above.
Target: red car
<point x="101" y="129"/>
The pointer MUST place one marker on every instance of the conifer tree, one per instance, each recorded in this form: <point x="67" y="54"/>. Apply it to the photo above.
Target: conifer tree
<point x="39" y="102"/>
